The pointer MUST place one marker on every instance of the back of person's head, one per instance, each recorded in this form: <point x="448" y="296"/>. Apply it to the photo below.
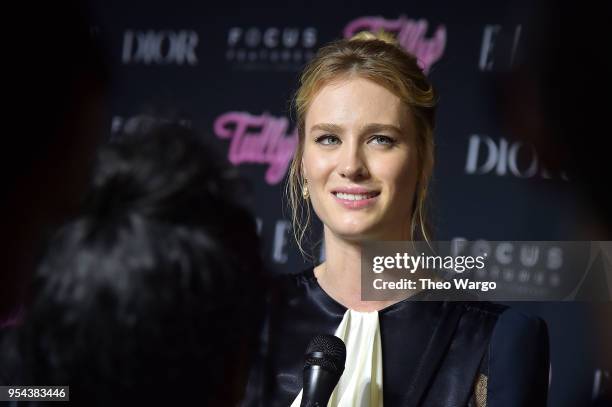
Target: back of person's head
<point x="151" y="294"/>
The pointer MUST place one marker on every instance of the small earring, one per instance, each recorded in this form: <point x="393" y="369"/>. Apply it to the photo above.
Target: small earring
<point x="305" y="193"/>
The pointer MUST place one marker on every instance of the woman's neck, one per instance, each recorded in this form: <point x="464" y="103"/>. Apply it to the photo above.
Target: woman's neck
<point x="340" y="275"/>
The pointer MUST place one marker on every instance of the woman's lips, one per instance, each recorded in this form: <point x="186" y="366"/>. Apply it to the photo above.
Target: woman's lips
<point x="356" y="200"/>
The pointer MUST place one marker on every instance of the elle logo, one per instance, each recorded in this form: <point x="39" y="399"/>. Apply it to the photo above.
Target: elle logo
<point x="499" y="48"/>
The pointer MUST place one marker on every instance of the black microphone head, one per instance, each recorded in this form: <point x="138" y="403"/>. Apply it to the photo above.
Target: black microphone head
<point x="327" y="351"/>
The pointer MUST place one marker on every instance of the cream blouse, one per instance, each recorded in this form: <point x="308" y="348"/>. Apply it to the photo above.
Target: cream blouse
<point x="361" y="383"/>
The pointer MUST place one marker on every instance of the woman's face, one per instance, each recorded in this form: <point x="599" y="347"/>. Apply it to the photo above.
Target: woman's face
<point x="360" y="160"/>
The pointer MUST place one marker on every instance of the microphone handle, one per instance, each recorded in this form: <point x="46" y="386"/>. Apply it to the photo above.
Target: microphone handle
<point x="319" y="384"/>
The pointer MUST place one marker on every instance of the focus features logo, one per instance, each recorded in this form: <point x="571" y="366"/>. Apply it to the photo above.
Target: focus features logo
<point x="165" y="47"/>
<point x="271" y="48"/>
<point x="524" y="265"/>
<point x="502" y="157"/>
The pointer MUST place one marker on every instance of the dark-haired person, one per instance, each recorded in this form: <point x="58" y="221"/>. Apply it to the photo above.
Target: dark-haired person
<point x="151" y="294"/>
<point x="365" y="118"/>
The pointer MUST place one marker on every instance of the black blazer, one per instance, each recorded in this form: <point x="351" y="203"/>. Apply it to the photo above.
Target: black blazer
<point x="435" y="353"/>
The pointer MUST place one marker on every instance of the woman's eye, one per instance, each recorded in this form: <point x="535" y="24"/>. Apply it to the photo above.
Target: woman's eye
<point x="384" y="140"/>
<point x="327" y="139"/>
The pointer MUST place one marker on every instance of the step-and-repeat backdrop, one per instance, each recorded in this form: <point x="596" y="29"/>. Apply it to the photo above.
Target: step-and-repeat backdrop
<point x="229" y="70"/>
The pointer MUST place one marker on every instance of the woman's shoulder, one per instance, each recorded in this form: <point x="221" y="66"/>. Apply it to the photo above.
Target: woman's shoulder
<point x="518" y="360"/>
<point x="296" y="277"/>
<point x="484" y="308"/>
<point x="505" y="316"/>
<point x="517" y="330"/>
<point x="507" y="330"/>
<point x="509" y="321"/>
<point x="516" y="355"/>
<point x="288" y="286"/>
<point x="508" y="324"/>
<point x="293" y="280"/>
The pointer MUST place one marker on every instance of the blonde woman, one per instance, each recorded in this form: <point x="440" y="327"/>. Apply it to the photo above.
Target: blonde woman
<point x="365" y="115"/>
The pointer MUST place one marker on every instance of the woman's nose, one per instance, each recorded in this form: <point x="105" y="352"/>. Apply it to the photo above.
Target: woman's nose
<point x="351" y="163"/>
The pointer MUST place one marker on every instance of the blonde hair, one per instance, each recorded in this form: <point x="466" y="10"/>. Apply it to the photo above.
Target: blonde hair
<point x="379" y="58"/>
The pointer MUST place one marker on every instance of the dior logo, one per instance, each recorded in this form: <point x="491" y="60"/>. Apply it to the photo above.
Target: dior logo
<point x="160" y="47"/>
<point x="502" y="157"/>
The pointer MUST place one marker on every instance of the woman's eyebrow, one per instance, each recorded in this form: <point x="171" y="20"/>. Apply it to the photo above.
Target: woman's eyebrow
<point x="376" y="127"/>
<point x="329" y="127"/>
<point x="369" y="128"/>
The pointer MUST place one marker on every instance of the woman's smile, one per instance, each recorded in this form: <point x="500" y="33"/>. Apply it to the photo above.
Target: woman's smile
<point x="355" y="197"/>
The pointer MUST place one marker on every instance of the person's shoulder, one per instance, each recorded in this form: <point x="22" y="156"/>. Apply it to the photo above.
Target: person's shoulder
<point x="518" y="360"/>
<point x="285" y="286"/>
<point x="506" y="317"/>
<point x="517" y="328"/>
<point x="301" y="275"/>
<point x="485" y="308"/>
<point x="294" y="278"/>
<point x="520" y="320"/>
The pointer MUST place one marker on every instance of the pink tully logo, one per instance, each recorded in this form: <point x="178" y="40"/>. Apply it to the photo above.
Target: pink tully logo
<point x="258" y="140"/>
<point x="410" y="35"/>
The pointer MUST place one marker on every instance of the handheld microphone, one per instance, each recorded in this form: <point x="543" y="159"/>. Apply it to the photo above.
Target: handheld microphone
<point x="324" y="364"/>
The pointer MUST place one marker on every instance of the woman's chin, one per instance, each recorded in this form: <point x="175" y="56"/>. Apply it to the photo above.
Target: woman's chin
<point x="355" y="234"/>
